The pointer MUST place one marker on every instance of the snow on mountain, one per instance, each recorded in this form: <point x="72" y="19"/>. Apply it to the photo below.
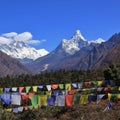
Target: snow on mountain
<point x="98" y="41"/>
<point x="77" y="42"/>
<point x="76" y="47"/>
<point x="19" y="50"/>
<point x="74" y="44"/>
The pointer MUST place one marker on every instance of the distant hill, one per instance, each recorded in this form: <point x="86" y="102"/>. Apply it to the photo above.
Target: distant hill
<point x="10" y="66"/>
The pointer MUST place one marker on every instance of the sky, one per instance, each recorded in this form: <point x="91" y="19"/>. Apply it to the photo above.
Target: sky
<point x="44" y="23"/>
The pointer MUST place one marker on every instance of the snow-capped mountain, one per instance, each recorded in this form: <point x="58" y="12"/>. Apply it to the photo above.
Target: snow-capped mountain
<point x="97" y="41"/>
<point x="19" y="50"/>
<point x="77" y="42"/>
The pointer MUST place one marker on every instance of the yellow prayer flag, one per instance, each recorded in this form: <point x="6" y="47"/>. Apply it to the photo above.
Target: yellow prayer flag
<point x="109" y="96"/>
<point x="42" y="100"/>
<point x="118" y="96"/>
<point x="48" y="93"/>
<point x="119" y="89"/>
<point x="35" y="107"/>
<point x="1" y="90"/>
<point x="35" y="88"/>
<point x="68" y="86"/>
<point x="83" y="99"/>
<point x="9" y="110"/>
<point x="100" y="83"/>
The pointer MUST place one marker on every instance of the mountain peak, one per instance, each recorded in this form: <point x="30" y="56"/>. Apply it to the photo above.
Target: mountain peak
<point x="78" y="36"/>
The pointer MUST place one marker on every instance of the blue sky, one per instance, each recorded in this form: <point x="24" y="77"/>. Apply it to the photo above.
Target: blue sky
<point x="52" y="20"/>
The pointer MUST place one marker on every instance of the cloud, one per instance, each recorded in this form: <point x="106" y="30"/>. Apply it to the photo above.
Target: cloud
<point x="4" y="40"/>
<point x="10" y="35"/>
<point x="33" y="42"/>
<point x="26" y="37"/>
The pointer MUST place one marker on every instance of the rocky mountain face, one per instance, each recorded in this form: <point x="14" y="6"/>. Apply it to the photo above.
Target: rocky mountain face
<point x="10" y="66"/>
<point x="22" y="52"/>
<point x="96" y="58"/>
<point x="75" y="53"/>
<point x="64" y="55"/>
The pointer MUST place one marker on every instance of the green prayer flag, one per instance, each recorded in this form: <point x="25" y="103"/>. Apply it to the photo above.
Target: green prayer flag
<point x="27" y="88"/>
<point x="76" y="98"/>
<point x="61" y="86"/>
<point x="34" y="99"/>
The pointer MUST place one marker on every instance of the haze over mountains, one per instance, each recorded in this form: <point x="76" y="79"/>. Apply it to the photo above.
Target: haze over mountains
<point x="75" y="53"/>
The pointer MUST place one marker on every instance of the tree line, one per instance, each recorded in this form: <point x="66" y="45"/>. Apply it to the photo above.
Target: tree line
<point x="111" y="72"/>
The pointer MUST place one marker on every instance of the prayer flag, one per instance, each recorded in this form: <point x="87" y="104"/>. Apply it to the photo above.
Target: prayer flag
<point x="68" y="100"/>
<point x="15" y="99"/>
<point x="34" y="99"/>
<point x="54" y="86"/>
<point x="61" y="86"/>
<point x="35" y="88"/>
<point x="68" y="86"/>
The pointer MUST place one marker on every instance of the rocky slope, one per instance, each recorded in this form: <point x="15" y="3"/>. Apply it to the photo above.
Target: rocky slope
<point x="9" y="66"/>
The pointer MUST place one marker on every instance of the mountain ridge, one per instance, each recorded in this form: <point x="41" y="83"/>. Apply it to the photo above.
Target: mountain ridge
<point x="21" y="51"/>
<point x="64" y="50"/>
<point x="10" y="66"/>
